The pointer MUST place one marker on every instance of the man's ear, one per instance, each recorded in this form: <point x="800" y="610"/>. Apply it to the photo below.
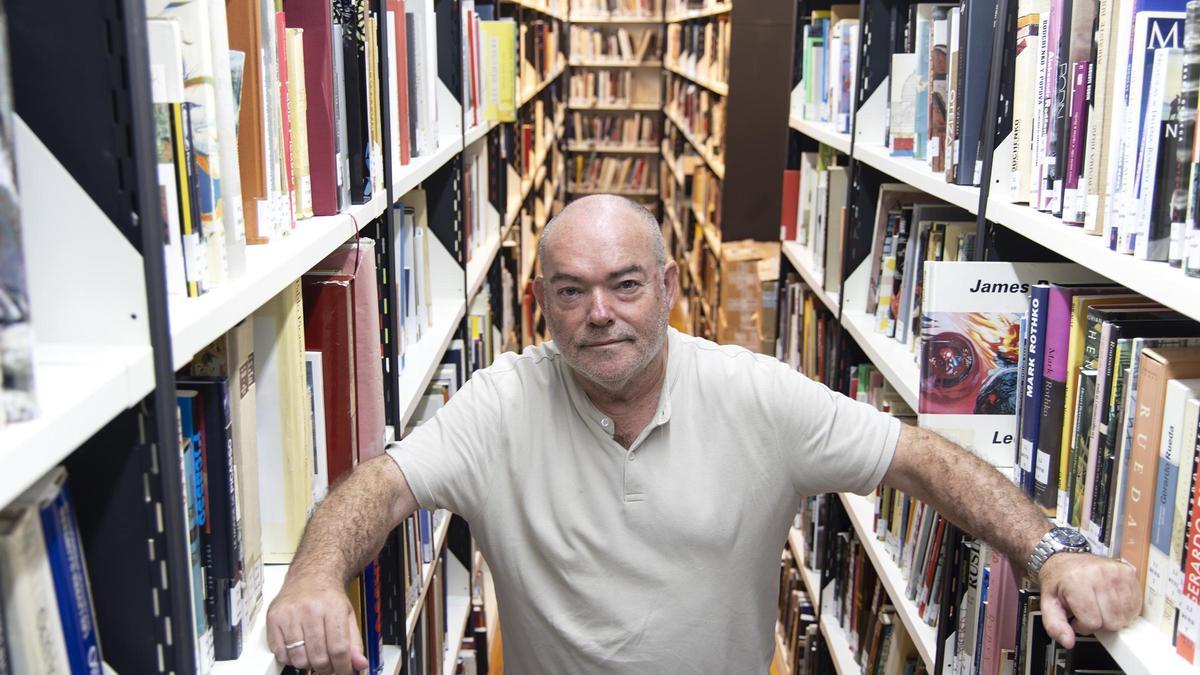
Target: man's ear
<point x="671" y="281"/>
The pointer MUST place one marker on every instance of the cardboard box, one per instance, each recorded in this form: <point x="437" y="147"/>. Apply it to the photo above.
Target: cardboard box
<point x="749" y="295"/>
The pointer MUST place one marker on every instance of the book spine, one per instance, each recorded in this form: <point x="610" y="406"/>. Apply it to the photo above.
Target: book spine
<point x="1185" y="194"/>
<point x="1039" y="298"/>
<point x="1158" y="565"/>
<point x="64" y="552"/>
<point x="1143" y="461"/>
<point x="1073" y="211"/>
<point x="1054" y="391"/>
<point x="1188" y="627"/>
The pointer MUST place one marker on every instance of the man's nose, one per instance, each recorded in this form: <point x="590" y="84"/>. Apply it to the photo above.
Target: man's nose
<point x="599" y="313"/>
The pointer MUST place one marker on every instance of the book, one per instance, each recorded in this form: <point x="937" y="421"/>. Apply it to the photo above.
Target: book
<point x="970" y="343"/>
<point x="901" y="115"/>
<point x="316" y="21"/>
<point x="31" y="611"/>
<point x="283" y="435"/>
<point x="329" y="329"/>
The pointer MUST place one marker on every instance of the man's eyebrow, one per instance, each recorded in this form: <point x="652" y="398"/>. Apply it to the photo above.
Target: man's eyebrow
<point x="624" y="271"/>
<point x="632" y="269"/>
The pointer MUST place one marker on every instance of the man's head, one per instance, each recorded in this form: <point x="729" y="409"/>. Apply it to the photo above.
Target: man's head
<point x="606" y="287"/>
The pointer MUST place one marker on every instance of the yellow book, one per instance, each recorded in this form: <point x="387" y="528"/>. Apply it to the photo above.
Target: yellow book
<point x="298" y="118"/>
<point x="285" y="443"/>
<point x="498" y="54"/>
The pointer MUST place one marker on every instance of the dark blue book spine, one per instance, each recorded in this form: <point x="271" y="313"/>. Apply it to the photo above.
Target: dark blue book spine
<point x="65" y="554"/>
<point x="222" y="550"/>
<point x="373" y="606"/>
<point x="1031" y="396"/>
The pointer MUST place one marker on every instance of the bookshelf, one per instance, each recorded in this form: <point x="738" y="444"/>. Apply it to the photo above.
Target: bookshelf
<point x="711" y="85"/>
<point x="687" y="15"/>
<point x="1008" y="230"/>
<point x="616" y="20"/>
<point x="109" y="392"/>
<point x="714" y="163"/>
<point x="559" y="11"/>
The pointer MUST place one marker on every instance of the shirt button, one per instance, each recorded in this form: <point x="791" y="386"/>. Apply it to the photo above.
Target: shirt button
<point x="632" y="457"/>
<point x="604" y="422"/>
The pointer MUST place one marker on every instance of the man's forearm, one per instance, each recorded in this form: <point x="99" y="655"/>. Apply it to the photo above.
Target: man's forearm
<point x="349" y="527"/>
<point x="967" y="491"/>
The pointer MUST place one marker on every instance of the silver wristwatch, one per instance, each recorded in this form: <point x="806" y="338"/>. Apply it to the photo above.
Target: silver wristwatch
<point x="1057" y="540"/>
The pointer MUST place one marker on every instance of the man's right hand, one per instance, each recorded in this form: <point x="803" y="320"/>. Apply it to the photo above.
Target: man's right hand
<point x="316" y="614"/>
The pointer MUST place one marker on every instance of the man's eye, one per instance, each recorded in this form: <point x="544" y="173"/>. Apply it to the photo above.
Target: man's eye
<point x="568" y="292"/>
<point x="628" y="285"/>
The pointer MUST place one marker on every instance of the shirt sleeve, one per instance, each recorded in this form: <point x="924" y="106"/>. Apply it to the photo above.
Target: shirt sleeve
<point x="832" y="443"/>
<point x="446" y="460"/>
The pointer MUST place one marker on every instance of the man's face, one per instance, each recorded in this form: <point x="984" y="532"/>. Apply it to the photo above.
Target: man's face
<point x="605" y="300"/>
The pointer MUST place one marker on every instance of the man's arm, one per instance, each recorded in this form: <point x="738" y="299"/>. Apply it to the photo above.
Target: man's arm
<point x="1100" y="594"/>
<point x="345" y="532"/>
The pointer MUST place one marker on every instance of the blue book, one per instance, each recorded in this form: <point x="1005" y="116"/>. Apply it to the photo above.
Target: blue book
<point x="373" y="617"/>
<point x="921" y="106"/>
<point x="425" y="527"/>
<point x="64" y="551"/>
<point x="1032" y="381"/>
<point x="193" y="471"/>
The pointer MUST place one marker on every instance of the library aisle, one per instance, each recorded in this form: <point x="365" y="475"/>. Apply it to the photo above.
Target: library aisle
<point x="246" y="245"/>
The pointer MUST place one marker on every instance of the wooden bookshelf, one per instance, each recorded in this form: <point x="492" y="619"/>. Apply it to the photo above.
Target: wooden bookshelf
<point x="612" y="149"/>
<point x="594" y="63"/>
<point x="531" y="93"/>
<point x="625" y="192"/>
<point x="541" y="8"/>
<point x="714" y="10"/>
<point x="618" y="20"/>
<point x="721" y="88"/>
<point x="615" y="107"/>
<point x="714" y="163"/>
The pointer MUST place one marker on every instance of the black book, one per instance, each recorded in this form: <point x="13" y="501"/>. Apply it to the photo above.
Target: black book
<point x="411" y="47"/>
<point x="353" y="76"/>
<point x="221" y="553"/>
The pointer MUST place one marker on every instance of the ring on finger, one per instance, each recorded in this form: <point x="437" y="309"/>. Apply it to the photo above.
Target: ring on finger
<point x="294" y="645"/>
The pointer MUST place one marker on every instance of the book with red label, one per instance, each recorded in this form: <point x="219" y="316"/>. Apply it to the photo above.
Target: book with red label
<point x="329" y="329"/>
<point x="315" y="17"/>
<point x="357" y="261"/>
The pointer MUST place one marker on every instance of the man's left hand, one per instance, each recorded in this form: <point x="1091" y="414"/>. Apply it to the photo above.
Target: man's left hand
<point x="1100" y="593"/>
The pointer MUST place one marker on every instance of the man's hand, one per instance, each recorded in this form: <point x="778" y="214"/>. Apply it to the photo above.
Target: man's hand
<point x="1101" y="594"/>
<point x="319" y="614"/>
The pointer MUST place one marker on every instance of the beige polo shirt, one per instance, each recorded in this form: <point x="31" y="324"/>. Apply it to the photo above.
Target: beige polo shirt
<point x="663" y="558"/>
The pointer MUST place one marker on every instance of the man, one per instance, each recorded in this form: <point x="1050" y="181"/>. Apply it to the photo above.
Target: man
<point x="631" y="487"/>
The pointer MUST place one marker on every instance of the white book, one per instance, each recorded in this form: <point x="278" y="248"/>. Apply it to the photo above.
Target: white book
<point x="314" y="376"/>
<point x="1158" y="607"/>
<point x="1041" y="91"/>
<point x="1166" y="78"/>
<point x="392" y="98"/>
<point x="166" y="87"/>
<point x="31" y="615"/>
<point x="226" y="119"/>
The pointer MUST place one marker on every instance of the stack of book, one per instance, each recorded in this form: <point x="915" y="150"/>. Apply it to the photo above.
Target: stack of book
<point x="798" y="626"/>
<point x="615" y="10"/>
<point x="593" y="173"/>
<point x="628" y="46"/>
<point x="700" y="49"/>
<point x="699" y="112"/>
<point x="631" y="132"/>
<point x="828" y="52"/>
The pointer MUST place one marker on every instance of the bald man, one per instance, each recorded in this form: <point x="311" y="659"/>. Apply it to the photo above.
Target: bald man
<point x="631" y="487"/>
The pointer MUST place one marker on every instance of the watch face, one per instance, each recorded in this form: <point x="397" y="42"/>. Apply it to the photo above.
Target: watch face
<point x="1070" y="538"/>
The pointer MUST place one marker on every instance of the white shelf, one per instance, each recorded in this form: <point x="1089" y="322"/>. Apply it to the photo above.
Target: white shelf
<point x="1141" y="649"/>
<point x="414" y="612"/>
<point x="716" y="164"/>
<point x="615" y="149"/>
<point x="917" y="174"/>
<point x="700" y="13"/>
<point x="623" y="20"/>
<point x="626" y="192"/>
<point x="80" y="388"/>
<point x="256" y="657"/>
<point x="924" y="636"/>
<point x="810" y="577"/>
<point x="801" y="258"/>
<point x="896" y="362"/>
<point x="418" y="169"/>
<point x="821" y="132"/>
<point x="458" y="612"/>
<point x="721" y="88"/>
<point x="530" y="94"/>
<point x="270" y="268"/>
<point x="839" y="647"/>
<point x="479" y="264"/>
<point x="1155" y="280"/>
<point x="421" y="359"/>
<point x="477" y="132"/>
<point x="600" y="63"/>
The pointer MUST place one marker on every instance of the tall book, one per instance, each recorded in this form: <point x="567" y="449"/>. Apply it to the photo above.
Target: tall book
<point x="245" y="35"/>
<point x="283" y="438"/>
<point x="329" y="329"/>
<point x="315" y="18"/>
<point x="231" y="358"/>
<point x="31" y="611"/>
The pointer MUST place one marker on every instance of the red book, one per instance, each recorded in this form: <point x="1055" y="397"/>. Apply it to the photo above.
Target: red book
<point x="357" y="262"/>
<point x="315" y="18"/>
<point x="400" y="40"/>
<point x="281" y="50"/>
<point x="329" y="329"/>
<point x="791" y="201"/>
<point x="472" y="38"/>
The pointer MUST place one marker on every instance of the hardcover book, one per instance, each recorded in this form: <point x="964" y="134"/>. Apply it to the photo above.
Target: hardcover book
<point x="970" y="345"/>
